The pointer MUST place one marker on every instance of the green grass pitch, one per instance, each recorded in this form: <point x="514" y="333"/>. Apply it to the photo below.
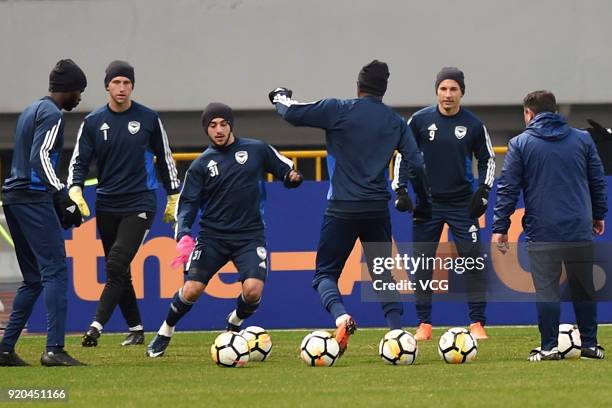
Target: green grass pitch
<point x="186" y="376"/>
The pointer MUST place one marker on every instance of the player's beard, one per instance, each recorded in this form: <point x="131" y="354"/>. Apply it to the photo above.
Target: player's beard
<point x="224" y="144"/>
<point x="71" y="105"/>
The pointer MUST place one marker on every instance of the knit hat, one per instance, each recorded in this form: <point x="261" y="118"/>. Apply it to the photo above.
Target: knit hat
<point x="119" y="68"/>
<point x="217" y="110"/>
<point x="373" y="78"/>
<point x="66" y="76"/>
<point x="453" y="73"/>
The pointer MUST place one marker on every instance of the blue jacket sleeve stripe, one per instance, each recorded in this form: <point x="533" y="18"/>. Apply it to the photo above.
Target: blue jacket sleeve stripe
<point x="46" y="160"/>
<point x="396" y="168"/>
<point x="172" y="172"/>
<point x="75" y="156"/>
<point x="490" y="176"/>
<point x="282" y="158"/>
<point x="395" y="184"/>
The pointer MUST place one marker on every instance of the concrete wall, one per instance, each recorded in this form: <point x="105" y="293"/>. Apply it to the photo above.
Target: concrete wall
<point x="189" y="52"/>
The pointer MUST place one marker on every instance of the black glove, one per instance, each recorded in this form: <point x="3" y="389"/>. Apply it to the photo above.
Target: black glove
<point x="598" y="132"/>
<point x="403" y="202"/>
<point x="67" y="210"/>
<point x="478" y="203"/>
<point x="292" y="184"/>
<point x="422" y="212"/>
<point x="279" y="91"/>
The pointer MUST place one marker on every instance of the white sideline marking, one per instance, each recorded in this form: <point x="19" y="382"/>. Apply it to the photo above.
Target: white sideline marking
<point x="310" y="329"/>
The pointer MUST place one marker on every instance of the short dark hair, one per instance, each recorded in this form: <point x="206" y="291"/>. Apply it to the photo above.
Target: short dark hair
<point x="540" y="101"/>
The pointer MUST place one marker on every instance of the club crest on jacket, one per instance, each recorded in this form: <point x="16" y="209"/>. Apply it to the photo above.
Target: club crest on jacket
<point x="134" y="127"/>
<point x="241" y="156"/>
<point x="460" y="131"/>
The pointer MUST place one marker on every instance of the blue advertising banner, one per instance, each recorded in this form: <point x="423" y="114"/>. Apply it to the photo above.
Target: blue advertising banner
<point x="293" y="220"/>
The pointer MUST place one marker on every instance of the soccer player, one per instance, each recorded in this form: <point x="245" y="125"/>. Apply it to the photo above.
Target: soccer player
<point x="125" y="137"/>
<point x="361" y="136"/>
<point x="562" y="178"/>
<point x="449" y="136"/>
<point x="227" y="181"/>
<point x="36" y="207"/>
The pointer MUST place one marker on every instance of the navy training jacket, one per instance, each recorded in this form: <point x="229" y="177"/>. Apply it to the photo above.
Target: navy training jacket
<point x="361" y="136"/>
<point x="39" y="139"/>
<point x="227" y="184"/>
<point x="562" y="179"/>
<point x="124" y="145"/>
<point x="448" y="144"/>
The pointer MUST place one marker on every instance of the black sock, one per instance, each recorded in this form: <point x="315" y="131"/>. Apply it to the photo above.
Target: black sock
<point x="244" y="310"/>
<point x="178" y="308"/>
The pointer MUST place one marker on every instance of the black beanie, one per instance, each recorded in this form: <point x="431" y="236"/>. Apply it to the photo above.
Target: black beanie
<point x="66" y="76"/>
<point x="373" y="78"/>
<point x="453" y="73"/>
<point x="217" y="110"/>
<point x="119" y="68"/>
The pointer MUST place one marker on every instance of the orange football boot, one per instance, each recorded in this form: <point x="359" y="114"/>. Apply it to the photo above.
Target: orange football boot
<point x="423" y="332"/>
<point x="478" y="331"/>
<point x="343" y="333"/>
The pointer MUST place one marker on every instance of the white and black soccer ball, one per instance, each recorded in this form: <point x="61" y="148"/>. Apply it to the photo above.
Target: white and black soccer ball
<point x="569" y="344"/>
<point x="457" y="346"/>
<point x="319" y="349"/>
<point x="260" y="342"/>
<point x="398" y="347"/>
<point x="230" y="349"/>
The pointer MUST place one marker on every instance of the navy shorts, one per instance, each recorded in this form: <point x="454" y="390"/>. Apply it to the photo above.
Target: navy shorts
<point x="210" y="254"/>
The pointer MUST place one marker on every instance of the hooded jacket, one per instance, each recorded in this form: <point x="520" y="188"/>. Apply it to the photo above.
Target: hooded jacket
<point x="562" y="179"/>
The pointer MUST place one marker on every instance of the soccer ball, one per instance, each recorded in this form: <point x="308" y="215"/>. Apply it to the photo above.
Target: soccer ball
<point x="569" y="341"/>
<point x="457" y="346"/>
<point x="398" y="347"/>
<point x="260" y="342"/>
<point x="230" y="350"/>
<point x="319" y="349"/>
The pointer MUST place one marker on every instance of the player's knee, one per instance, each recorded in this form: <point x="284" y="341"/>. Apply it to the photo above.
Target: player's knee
<point x="117" y="277"/>
<point x="192" y="290"/>
<point x="252" y="290"/>
<point x="251" y="295"/>
<point x="55" y="270"/>
<point x="118" y="261"/>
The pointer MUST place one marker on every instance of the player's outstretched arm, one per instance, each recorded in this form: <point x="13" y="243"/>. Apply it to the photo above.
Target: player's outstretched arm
<point x="322" y="114"/>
